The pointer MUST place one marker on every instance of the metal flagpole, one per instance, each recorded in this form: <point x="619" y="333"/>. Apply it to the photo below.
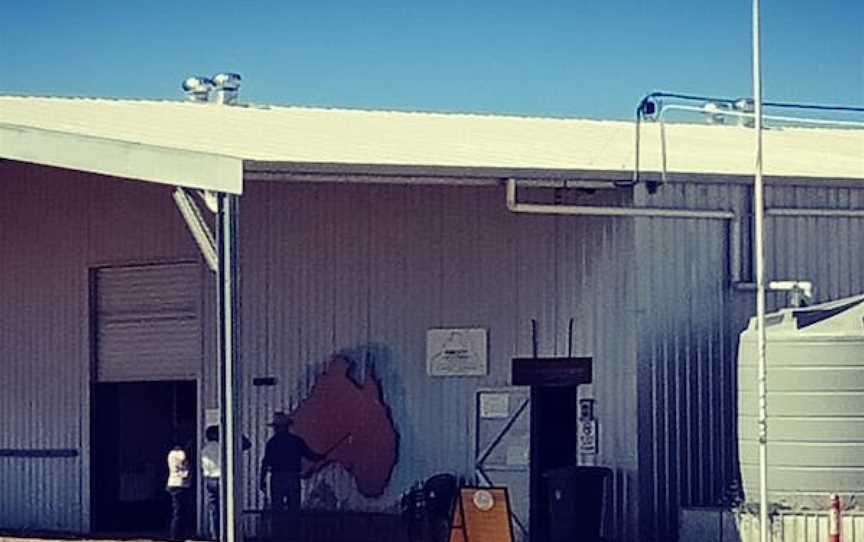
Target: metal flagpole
<point x="759" y="214"/>
<point x="229" y="326"/>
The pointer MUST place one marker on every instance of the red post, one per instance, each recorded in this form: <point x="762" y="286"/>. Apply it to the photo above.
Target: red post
<point x="835" y="520"/>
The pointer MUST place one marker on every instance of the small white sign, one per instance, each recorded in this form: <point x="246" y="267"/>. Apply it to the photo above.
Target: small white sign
<point x="494" y="405"/>
<point x="456" y="352"/>
<point x="211" y="417"/>
<point x="588" y="436"/>
<point x="518" y="455"/>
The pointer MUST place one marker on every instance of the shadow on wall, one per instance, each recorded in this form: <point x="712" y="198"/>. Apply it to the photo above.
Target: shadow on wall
<point x="377" y="359"/>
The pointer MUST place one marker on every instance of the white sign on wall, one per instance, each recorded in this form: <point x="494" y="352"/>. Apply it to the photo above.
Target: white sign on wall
<point x="588" y="437"/>
<point x="587" y="428"/>
<point x="456" y="352"/>
<point x="211" y="417"/>
<point x="494" y="405"/>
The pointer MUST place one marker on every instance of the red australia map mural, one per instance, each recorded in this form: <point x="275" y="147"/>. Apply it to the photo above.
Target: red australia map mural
<point x="351" y="424"/>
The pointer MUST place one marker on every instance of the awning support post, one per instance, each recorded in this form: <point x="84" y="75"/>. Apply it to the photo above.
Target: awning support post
<point x="229" y="348"/>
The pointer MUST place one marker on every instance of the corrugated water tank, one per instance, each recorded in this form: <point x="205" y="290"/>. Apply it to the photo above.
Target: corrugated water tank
<point x="815" y="382"/>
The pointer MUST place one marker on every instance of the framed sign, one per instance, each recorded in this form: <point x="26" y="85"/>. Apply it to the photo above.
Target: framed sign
<point x="456" y="352"/>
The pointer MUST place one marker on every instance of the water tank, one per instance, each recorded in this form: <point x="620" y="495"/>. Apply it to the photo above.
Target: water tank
<point x="815" y="359"/>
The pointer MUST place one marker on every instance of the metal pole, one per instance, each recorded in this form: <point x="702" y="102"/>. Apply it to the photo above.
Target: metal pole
<point x="228" y="281"/>
<point x="759" y="212"/>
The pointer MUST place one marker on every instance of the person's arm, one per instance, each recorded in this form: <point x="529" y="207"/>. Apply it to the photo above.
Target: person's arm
<point x="309" y="453"/>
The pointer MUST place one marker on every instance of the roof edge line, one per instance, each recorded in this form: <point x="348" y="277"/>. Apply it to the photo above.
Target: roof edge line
<point x="124" y="159"/>
<point x="14" y="126"/>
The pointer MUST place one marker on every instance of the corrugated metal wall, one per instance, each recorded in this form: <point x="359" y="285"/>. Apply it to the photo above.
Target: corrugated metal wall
<point x="366" y="270"/>
<point x="55" y="225"/>
<point x="42" y="349"/>
<point x="686" y="355"/>
<point x="690" y="319"/>
<point x="829" y="251"/>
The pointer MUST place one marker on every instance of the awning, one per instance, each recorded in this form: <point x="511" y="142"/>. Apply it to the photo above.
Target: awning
<point x="118" y="158"/>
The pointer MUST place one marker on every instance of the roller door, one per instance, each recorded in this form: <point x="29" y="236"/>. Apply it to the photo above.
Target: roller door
<point x="147" y="322"/>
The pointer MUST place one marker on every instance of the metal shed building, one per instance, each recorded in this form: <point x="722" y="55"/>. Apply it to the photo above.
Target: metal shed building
<point x="362" y="230"/>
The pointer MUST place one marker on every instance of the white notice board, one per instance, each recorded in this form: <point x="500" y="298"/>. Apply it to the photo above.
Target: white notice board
<point x="456" y="352"/>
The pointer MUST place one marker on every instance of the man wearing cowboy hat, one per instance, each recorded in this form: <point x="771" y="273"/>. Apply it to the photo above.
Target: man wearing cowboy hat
<point x="283" y="457"/>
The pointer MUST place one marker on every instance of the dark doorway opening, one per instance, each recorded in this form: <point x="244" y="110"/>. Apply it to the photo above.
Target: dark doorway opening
<point x="135" y="425"/>
<point x="554" y="444"/>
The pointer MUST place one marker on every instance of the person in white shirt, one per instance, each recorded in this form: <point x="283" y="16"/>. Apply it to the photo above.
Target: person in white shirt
<point x="178" y="484"/>
<point x="211" y="470"/>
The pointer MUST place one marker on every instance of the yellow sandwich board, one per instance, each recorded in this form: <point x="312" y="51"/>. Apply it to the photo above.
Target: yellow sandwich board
<point x="481" y="514"/>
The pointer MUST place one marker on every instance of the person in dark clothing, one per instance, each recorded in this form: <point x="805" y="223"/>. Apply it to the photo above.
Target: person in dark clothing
<point x="283" y="457"/>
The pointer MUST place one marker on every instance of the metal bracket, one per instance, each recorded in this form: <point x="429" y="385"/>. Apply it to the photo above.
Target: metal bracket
<point x="197" y="226"/>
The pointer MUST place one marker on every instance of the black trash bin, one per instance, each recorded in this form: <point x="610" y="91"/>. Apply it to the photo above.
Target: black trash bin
<point x="575" y="503"/>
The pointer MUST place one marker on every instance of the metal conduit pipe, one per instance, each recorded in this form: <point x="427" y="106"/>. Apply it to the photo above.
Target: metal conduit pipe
<point x="735" y="232"/>
<point x="751" y="115"/>
<point x="649" y="105"/>
<point x="792" y="212"/>
<point x="826" y="213"/>
<point x="647" y="212"/>
<point x="740" y="114"/>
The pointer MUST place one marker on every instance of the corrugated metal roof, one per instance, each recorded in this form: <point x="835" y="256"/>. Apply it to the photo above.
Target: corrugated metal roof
<point x="339" y="136"/>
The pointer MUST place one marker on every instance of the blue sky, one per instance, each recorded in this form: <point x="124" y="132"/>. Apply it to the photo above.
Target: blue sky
<point x="582" y="58"/>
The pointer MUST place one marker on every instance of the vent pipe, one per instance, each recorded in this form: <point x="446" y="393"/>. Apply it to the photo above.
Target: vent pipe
<point x="227" y="87"/>
<point x="197" y="88"/>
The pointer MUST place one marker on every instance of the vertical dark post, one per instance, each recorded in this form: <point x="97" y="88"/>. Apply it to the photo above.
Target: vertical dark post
<point x="229" y="350"/>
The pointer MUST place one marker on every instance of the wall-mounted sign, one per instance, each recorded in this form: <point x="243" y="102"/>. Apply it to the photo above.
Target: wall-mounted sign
<point x="587" y="428"/>
<point x="518" y="455"/>
<point x="456" y="352"/>
<point x="587" y="437"/>
<point x="494" y="405"/>
<point x="211" y="417"/>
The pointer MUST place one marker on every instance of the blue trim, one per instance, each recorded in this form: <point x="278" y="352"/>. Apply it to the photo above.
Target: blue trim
<point x="38" y="452"/>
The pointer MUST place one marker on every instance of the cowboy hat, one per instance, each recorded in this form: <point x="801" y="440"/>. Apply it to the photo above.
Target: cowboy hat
<point x="280" y="419"/>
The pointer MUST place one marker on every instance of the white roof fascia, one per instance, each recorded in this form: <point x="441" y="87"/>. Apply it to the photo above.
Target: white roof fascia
<point x="144" y="162"/>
